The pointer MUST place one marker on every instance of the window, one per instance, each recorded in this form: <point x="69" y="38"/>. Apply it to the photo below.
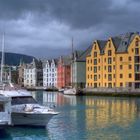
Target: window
<point x="121" y="67"/>
<point x="109" y="77"/>
<point x="109" y="61"/>
<point x="95" y="54"/>
<point x="137" y="68"/>
<point x="114" y="76"/>
<point x="114" y="84"/>
<point x="105" y="59"/>
<point x="105" y="67"/>
<point x="95" y="61"/>
<point x="137" y="59"/>
<point x="129" y="58"/>
<point x="99" y="76"/>
<point x="137" y="76"/>
<point x="121" y="84"/>
<point x="91" y="76"/>
<point x="114" y="67"/>
<point x="95" y="69"/>
<point x="91" y="61"/>
<point x="110" y="85"/>
<point x="95" y="85"/>
<point x="121" y="59"/>
<point x="137" y="43"/>
<point x="91" y="68"/>
<point x="105" y="76"/>
<point x="136" y="51"/>
<point x="95" y="77"/>
<point x="114" y="59"/>
<point x="130" y="75"/>
<point x="121" y="75"/>
<point x="109" y="44"/>
<point x="129" y="66"/>
<point x="99" y="68"/>
<point x="109" y="68"/>
<point x="109" y="52"/>
<point x="99" y="60"/>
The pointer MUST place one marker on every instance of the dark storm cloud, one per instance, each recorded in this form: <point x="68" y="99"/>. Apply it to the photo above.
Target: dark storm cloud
<point x="49" y="25"/>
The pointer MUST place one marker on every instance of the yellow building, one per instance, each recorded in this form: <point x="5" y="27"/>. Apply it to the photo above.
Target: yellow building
<point x="115" y="62"/>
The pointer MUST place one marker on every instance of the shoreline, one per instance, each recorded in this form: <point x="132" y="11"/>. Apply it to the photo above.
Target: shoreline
<point x="111" y="94"/>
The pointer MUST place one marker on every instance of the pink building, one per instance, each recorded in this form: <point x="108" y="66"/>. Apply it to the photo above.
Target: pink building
<point x="64" y="72"/>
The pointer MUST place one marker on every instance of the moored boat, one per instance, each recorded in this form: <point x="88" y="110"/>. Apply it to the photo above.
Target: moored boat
<point x="5" y="111"/>
<point x="25" y="110"/>
<point x="72" y="91"/>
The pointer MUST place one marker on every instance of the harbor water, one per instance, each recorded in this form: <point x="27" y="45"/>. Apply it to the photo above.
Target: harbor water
<point x="83" y="118"/>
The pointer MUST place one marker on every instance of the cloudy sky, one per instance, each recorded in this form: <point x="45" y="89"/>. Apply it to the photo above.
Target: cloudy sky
<point x="44" y="28"/>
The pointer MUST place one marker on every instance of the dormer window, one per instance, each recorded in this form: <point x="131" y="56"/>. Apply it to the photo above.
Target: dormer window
<point x="109" y="44"/>
<point x="137" y="43"/>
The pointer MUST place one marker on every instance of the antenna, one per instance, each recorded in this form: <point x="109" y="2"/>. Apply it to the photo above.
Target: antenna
<point x="72" y="45"/>
<point x="2" y="57"/>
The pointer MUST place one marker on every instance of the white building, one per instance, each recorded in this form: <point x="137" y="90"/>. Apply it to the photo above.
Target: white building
<point x="33" y="74"/>
<point x="50" y="73"/>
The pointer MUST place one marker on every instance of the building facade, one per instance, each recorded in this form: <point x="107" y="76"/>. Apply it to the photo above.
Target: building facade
<point x="21" y="74"/>
<point x="115" y="62"/>
<point x="78" y="68"/>
<point x="64" y="72"/>
<point x="33" y="74"/>
<point x="50" y="73"/>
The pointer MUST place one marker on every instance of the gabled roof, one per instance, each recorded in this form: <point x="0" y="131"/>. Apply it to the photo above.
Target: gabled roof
<point x="49" y="61"/>
<point x="122" y="42"/>
<point x="102" y="44"/>
<point x="87" y="52"/>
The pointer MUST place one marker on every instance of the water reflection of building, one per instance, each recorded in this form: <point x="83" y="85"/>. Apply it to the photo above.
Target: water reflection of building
<point x="49" y="97"/>
<point x="58" y="98"/>
<point x="109" y="111"/>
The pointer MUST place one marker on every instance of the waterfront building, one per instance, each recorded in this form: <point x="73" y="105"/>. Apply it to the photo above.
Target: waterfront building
<point x="21" y="74"/>
<point x="78" y="68"/>
<point x="115" y="62"/>
<point x="64" y="72"/>
<point x="33" y="74"/>
<point x="50" y="73"/>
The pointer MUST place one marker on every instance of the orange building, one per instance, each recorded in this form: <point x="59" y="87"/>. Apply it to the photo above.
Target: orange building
<point x="64" y="72"/>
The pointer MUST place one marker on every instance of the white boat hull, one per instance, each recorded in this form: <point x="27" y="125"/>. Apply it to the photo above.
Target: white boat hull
<point x="72" y="91"/>
<point x="31" y="119"/>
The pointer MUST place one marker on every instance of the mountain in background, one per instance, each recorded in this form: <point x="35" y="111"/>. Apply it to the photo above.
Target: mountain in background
<point x="14" y="58"/>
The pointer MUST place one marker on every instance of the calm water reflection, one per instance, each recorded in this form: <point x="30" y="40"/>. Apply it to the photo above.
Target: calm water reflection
<point x="86" y="118"/>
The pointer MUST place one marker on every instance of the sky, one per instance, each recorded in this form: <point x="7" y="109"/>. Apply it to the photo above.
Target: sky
<point x="45" y="28"/>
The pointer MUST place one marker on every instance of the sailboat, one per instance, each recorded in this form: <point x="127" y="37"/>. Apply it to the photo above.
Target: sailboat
<point x="71" y="90"/>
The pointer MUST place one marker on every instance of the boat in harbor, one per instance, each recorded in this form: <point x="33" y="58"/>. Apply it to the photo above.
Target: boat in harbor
<point x="5" y="111"/>
<point x="72" y="91"/>
<point x="25" y="110"/>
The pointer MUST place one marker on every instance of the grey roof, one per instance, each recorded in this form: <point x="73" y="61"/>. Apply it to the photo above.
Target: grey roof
<point x="65" y="60"/>
<point x="102" y="44"/>
<point x="122" y="42"/>
<point x="87" y="52"/>
<point x="49" y="61"/>
<point x="34" y="64"/>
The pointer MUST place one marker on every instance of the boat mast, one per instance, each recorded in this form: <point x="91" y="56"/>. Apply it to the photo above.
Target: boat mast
<point x="2" y="58"/>
<point x="72" y="63"/>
